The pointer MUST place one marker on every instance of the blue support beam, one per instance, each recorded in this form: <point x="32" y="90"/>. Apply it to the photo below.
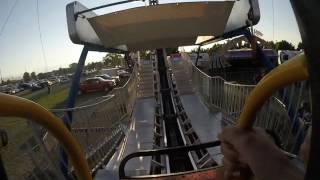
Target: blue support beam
<point x="67" y="119"/>
<point x="198" y="53"/>
<point x="259" y="51"/>
<point x="75" y="84"/>
<point x="246" y="32"/>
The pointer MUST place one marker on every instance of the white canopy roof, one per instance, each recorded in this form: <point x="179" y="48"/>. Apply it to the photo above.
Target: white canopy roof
<point x="159" y="26"/>
<point x="165" y="25"/>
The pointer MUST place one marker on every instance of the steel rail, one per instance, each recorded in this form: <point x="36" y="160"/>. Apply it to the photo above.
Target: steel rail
<point x="168" y="151"/>
<point x="104" y="6"/>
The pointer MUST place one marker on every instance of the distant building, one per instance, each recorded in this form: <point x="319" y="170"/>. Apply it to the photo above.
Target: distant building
<point x="247" y="57"/>
<point x="203" y="59"/>
<point x="285" y="55"/>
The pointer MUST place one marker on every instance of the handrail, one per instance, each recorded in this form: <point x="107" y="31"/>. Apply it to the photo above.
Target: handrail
<point x="219" y="77"/>
<point x="230" y="97"/>
<point x="171" y="150"/>
<point x="290" y="72"/>
<point x="13" y="106"/>
<point x="131" y="77"/>
<point x="82" y="107"/>
<point x="238" y="84"/>
<point x="103" y="6"/>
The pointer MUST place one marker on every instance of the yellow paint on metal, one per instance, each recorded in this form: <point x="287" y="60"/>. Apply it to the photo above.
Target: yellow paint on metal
<point x="287" y="73"/>
<point x="12" y="106"/>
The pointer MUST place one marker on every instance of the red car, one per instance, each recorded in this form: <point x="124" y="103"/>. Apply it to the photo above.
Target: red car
<point x="96" y="84"/>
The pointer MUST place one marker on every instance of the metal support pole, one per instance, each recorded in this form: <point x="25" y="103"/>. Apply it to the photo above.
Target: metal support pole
<point x="128" y="60"/>
<point x="198" y="52"/>
<point x="259" y="51"/>
<point x="3" y="143"/>
<point x="67" y="119"/>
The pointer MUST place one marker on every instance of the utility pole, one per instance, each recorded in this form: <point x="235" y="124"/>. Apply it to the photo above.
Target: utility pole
<point x="1" y="77"/>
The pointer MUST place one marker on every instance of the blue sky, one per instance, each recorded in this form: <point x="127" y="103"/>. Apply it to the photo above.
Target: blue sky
<point x="20" y="48"/>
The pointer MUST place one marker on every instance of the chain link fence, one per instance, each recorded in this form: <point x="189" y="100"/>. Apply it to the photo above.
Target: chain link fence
<point x="98" y="127"/>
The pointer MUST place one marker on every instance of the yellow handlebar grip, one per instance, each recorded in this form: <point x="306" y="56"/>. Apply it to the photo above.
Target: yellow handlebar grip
<point x="14" y="106"/>
<point x="290" y="72"/>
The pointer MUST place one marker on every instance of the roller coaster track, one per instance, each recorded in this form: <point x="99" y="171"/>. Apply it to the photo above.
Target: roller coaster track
<point x="178" y="162"/>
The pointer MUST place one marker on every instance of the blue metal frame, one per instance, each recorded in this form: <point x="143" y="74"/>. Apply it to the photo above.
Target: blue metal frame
<point x="260" y="55"/>
<point x="286" y="100"/>
<point x="246" y="32"/>
<point x="67" y="119"/>
<point x="198" y="53"/>
<point x="75" y="84"/>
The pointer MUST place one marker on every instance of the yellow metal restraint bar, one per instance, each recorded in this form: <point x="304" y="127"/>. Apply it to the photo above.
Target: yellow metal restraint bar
<point x="18" y="107"/>
<point x="290" y="72"/>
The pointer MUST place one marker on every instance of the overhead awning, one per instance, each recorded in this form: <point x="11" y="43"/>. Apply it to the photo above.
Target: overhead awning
<point x="159" y="26"/>
<point x="165" y="25"/>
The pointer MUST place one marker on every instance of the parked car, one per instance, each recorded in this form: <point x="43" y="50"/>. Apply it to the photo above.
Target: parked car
<point x="64" y="79"/>
<point x="25" y="85"/>
<point x="36" y="87"/>
<point x="109" y="71"/>
<point x="96" y="84"/>
<point x="44" y="83"/>
<point x="4" y="89"/>
<point x="14" y="91"/>
<point x="108" y="77"/>
<point x="123" y="73"/>
<point x="54" y="80"/>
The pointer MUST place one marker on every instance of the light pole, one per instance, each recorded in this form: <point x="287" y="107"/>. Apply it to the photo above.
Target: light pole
<point x="1" y="80"/>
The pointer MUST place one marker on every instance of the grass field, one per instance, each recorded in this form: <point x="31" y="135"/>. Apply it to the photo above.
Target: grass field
<point x="14" y="160"/>
<point x="57" y="96"/>
<point x="19" y="131"/>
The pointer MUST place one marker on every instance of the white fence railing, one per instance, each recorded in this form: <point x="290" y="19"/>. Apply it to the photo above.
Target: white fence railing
<point x="229" y="98"/>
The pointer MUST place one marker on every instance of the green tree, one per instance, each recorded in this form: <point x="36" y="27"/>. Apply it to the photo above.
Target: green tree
<point x="202" y="50"/>
<point x="43" y="75"/>
<point x="284" y="45"/>
<point x="72" y="67"/>
<point x="271" y="45"/>
<point x="172" y="50"/>
<point x="98" y="66"/>
<point x="26" y="77"/>
<point x="215" y="48"/>
<point x="112" y="60"/>
<point x="33" y="75"/>
<point x="62" y="71"/>
<point x="300" y="46"/>
<point x="211" y="50"/>
<point x="90" y="66"/>
<point x="145" y="55"/>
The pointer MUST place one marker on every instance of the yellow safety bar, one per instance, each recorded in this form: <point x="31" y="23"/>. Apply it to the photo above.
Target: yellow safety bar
<point x="19" y="107"/>
<point x="290" y="72"/>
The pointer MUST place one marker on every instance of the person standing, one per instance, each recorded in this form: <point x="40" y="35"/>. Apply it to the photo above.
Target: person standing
<point x="49" y="88"/>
